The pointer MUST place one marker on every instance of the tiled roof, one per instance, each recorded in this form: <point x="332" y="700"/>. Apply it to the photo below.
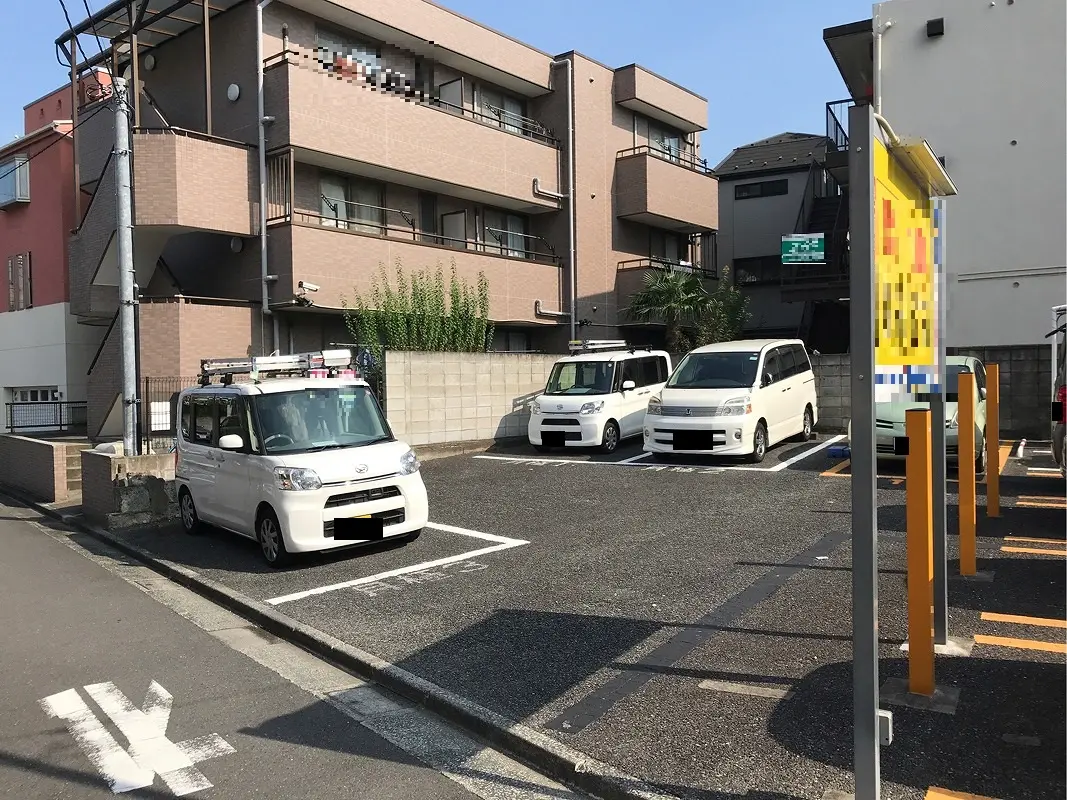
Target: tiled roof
<point x="786" y="151"/>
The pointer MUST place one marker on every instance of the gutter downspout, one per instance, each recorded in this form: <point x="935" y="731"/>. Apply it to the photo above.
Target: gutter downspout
<point x="263" y="178"/>
<point x="572" y="272"/>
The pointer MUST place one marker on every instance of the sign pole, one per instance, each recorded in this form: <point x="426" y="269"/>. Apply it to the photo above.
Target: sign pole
<point x="865" y="733"/>
<point x="939" y="458"/>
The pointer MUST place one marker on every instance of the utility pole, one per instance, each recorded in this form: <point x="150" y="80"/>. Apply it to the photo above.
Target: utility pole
<point x="127" y="298"/>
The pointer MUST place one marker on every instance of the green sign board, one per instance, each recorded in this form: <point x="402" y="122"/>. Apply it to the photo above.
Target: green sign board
<point x="804" y="248"/>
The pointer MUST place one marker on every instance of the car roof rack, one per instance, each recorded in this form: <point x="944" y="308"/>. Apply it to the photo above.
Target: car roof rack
<point x="314" y="364"/>
<point x="577" y="346"/>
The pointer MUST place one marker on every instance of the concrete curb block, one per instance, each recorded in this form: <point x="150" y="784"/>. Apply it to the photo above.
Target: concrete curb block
<point x="550" y="757"/>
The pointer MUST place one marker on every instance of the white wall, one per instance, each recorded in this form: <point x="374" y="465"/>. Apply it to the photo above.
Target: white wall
<point x="999" y="74"/>
<point x="45" y="347"/>
<point x="754" y="227"/>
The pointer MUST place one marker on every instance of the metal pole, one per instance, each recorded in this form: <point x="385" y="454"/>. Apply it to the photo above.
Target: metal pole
<point x="207" y="68"/>
<point x="124" y="233"/>
<point x="865" y="730"/>
<point x="939" y="468"/>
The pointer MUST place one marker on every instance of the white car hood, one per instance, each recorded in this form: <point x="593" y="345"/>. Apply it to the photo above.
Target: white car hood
<point x="350" y="463"/>
<point x="567" y="403"/>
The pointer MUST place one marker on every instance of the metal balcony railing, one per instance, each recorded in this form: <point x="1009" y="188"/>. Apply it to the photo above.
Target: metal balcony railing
<point x="681" y="157"/>
<point x="54" y="415"/>
<point x="837" y="123"/>
<point x="706" y="272"/>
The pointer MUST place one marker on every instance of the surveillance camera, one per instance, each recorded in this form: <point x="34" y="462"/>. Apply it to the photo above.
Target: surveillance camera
<point x="308" y="286"/>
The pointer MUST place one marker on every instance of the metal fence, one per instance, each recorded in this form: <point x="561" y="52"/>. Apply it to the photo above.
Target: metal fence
<point x="57" y="416"/>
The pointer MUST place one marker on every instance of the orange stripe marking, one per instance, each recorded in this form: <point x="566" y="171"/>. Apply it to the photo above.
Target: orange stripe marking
<point x="934" y="793"/>
<point x="1022" y="644"/>
<point x="1043" y="622"/>
<point x="1037" y="541"/>
<point x="836" y="469"/>
<point x="1034" y="551"/>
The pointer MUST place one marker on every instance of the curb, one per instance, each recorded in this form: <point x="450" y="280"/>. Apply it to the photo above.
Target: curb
<point x="548" y="756"/>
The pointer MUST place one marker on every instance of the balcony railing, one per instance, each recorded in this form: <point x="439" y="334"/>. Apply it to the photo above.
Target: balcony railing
<point x="819" y="184"/>
<point x="837" y="123"/>
<point x="55" y="415"/>
<point x="708" y="273"/>
<point x="681" y="157"/>
<point x="388" y="81"/>
<point x="378" y="221"/>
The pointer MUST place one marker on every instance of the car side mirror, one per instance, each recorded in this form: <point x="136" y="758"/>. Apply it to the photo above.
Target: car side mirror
<point x="768" y="379"/>
<point x="982" y="393"/>
<point x="231" y="441"/>
<point x="628" y="386"/>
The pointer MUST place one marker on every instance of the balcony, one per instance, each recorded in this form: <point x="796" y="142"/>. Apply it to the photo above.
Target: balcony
<point x="646" y="93"/>
<point x="837" y="132"/>
<point x="343" y="256"/>
<point x="666" y="190"/>
<point x="632" y="273"/>
<point x="350" y="122"/>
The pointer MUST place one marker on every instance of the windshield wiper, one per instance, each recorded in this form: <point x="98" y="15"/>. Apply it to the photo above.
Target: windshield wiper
<point x="320" y="447"/>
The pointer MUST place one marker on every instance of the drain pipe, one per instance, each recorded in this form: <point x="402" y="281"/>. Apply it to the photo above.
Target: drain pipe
<point x="263" y="177"/>
<point x="572" y="271"/>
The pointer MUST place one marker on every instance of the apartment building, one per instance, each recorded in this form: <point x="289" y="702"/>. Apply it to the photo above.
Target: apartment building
<point x="44" y="353"/>
<point x="384" y="134"/>
<point x="984" y="84"/>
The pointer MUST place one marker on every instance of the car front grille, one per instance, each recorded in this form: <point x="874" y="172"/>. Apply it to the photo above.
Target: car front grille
<point x="362" y="496"/>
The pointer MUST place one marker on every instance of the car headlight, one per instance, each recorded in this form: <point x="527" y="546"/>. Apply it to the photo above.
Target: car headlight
<point x="409" y="463"/>
<point x="736" y="407"/>
<point x="592" y="408"/>
<point x="655" y="406"/>
<point x="535" y="407"/>
<point x="296" y="479"/>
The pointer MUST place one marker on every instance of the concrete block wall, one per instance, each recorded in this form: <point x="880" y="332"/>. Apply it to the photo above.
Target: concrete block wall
<point x="35" y="466"/>
<point x="833" y="374"/>
<point x="124" y="492"/>
<point x="1025" y="387"/>
<point x="434" y="398"/>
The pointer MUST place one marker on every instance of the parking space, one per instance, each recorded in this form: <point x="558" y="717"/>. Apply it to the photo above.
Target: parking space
<point x="687" y="623"/>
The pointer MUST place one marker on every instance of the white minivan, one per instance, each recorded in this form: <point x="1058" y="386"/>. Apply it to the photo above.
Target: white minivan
<point x="734" y="399"/>
<point x="300" y="463"/>
<point x="597" y="397"/>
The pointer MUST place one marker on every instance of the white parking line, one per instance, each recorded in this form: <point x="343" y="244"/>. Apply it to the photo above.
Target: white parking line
<point x="502" y="543"/>
<point x="640" y="460"/>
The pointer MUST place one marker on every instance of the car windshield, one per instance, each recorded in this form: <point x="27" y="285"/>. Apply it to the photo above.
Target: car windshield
<point x="309" y="420"/>
<point x="715" y="371"/>
<point x="581" y="377"/>
<point x="952" y="384"/>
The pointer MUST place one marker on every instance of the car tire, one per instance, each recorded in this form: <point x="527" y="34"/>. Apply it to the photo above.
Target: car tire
<point x="191" y="523"/>
<point x="610" y="441"/>
<point x="271" y="541"/>
<point x="809" y="425"/>
<point x="759" y="444"/>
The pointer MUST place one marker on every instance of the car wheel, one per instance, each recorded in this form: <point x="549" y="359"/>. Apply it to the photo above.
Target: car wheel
<point x="271" y="542"/>
<point x="610" y="442"/>
<point x="191" y="523"/>
<point x="809" y="425"/>
<point x="759" y="444"/>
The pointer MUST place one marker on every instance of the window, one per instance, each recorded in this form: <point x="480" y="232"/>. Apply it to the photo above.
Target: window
<point x="15" y="181"/>
<point x="19" y="282"/>
<point x="786" y="362"/>
<point x="771" y="365"/>
<point x="581" y="377"/>
<point x="723" y="370"/>
<point x="746" y="191"/>
<point x="800" y="357"/>
<point x="667" y="246"/>
<point x="647" y="371"/>
<point x="428" y="217"/>
<point x="203" y="419"/>
<point x="505" y="233"/>
<point x="352" y="203"/>
<point x="450" y="96"/>
<point x="505" y="110"/>
<point x="230" y="421"/>
<point x="518" y="342"/>
<point x="454" y="229"/>
<point x="347" y="55"/>
<point x="332" y="417"/>
<point x="35" y="394"/>
<point x="763" y="269"/>
<point x="666" y="140"/>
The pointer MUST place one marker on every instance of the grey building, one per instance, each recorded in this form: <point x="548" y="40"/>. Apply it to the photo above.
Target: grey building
<point x="770" y="188"/>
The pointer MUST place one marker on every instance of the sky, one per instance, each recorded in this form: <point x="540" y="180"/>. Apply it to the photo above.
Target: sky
<point x="761" y="64"/>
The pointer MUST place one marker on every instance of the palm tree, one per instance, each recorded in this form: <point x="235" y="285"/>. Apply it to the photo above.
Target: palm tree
<point x="674" y="298"/>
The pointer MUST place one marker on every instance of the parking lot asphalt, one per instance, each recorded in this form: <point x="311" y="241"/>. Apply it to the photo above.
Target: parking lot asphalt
<point x="690" y="623"/>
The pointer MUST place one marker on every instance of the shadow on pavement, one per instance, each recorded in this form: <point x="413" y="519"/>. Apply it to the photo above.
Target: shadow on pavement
<point x="1030" y="587"/>
<point x="964" y="751"/>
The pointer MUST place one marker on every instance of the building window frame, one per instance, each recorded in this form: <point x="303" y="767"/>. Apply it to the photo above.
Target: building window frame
<point x="19" y="282"/>
<point x="779" y="187"/>
<point x="15" y="180"/>
<point x="757" y="270"/>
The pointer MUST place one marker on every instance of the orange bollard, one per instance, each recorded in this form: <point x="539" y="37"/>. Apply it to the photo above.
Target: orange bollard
<point x="968" y="489"/>
<point x="992" y="441"/>
<point x="920" y="518"/>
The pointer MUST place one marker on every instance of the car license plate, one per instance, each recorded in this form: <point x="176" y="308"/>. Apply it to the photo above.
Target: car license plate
<point x="364" y="528"/>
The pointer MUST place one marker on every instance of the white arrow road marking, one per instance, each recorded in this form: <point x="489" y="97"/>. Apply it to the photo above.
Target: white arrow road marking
<point x="150" y="752"/>
<point x="120" y="771"/>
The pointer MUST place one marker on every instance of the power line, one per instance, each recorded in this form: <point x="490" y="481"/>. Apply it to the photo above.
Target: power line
<point x="55" y="141"/>
<point x="99" y="44"/>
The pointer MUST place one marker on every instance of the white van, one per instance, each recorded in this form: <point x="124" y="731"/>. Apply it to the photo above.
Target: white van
<point x="734" y="399"/>
<point x="300" y="463"/>
<point x="597" y="397"/>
